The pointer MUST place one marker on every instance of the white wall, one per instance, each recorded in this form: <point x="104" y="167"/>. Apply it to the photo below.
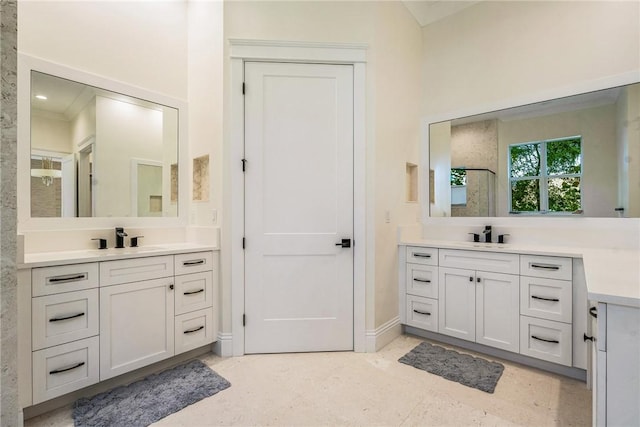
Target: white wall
<point x="496" y="53"/>
<point x="393" y="111"/>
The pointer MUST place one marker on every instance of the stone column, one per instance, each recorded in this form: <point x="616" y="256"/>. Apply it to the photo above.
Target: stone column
<point x="9" y="406"/>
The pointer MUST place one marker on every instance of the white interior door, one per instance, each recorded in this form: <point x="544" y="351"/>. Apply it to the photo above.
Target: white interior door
<point x="298" y="206"/>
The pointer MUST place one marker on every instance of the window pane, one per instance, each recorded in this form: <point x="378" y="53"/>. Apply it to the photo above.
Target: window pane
<point x="563" y="157"/>
<point x="564" y="194"/>
<point x="525" y="160"/>
<point x="525" y="195"/>
<point x="458" y="177"/>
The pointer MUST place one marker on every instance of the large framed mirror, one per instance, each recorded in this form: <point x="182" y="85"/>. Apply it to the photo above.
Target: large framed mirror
<point x="576" y="156"/>
<point x="96" y="148"/>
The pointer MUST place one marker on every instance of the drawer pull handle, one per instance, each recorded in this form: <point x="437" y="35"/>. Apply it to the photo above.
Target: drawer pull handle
<point x="545" y="299"/>
<point x="545" y="340"/>
<point x="419" y="255"/>
<point x="586" y="337"/>
<point x="59" y="319"/>
<point x="421" y="280"/>
<point x="545" y="266"/>
<point x="192" y="263"/>
<point x="593" y="311"/>
<point x="59" y="371"/>
<point x="194" y="292"/>
<point x="68" y="278"/>
<point x="190" y="331"/>
<point x="426" y="313"/>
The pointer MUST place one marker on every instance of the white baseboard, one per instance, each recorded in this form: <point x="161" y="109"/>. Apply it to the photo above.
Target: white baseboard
<point x="383" y="335"/>
<point x="223" y="347"/>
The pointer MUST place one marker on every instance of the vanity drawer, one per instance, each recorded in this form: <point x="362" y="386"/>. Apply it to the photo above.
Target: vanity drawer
<point x="63" y="278"/>
<point x="194" y="262"/>
<point x="546" y="298"/>
<point x="61" y="318"/>
<point x="135" y="270"/>
<point x="193" y="292"/>
<point x="422" y="280"/>
<point x="419" y="255"/>
<point x="193" y="330"/>
<point x="422" y="313"/>
<point x="546" y="340"/>
<point x="480" y="261"/>
<point x="62" y="369"/>
<point x="549" y="267"/>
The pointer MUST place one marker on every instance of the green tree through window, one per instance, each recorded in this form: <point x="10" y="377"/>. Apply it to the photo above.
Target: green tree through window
<point x="545" y="176"/>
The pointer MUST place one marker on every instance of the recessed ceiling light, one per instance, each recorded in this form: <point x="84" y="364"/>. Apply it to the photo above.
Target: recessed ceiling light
<point x="41" y="97"/>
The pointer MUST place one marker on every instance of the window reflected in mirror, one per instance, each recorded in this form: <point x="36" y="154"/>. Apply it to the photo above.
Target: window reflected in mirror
<point x="569" y="156"/>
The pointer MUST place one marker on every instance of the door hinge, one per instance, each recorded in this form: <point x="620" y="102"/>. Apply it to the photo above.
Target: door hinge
<point x="243" y="88"/>
<point x="243" y="242"/>
<point x="244" y="320"/>
<point x="244" y="165"/>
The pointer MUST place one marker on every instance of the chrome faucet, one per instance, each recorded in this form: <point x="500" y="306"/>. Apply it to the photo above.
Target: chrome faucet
<point x="487" y="233"/>
<point x="120" y="234"/>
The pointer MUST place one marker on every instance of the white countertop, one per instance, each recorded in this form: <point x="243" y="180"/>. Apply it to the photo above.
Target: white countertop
<point x="612" y="275"/>
<point x="45" y="259"/>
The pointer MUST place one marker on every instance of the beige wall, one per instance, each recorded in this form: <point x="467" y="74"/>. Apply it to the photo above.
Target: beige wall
<point x="628" y="128"/>
<point x="123" y="132"/>
<point x="496" y="51"/>
<point x="50" y="134"/>
<point x="393" y="110"/>
<point x="139" y="43"/>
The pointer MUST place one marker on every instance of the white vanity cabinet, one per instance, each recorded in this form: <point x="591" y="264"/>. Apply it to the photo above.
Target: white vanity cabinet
<point x="617" y="366"/>
<point x="520" y="304"/>
<point x="421" y="282"/>
<point x="92" y="321"/>
<point x="478" y="297"/>
<point x="64" y="329"/>
<point x="546" y="308"/>
<point x="147" y="313"/>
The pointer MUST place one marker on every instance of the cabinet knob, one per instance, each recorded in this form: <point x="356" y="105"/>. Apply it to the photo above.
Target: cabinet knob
<point x="171" y="286"/>
<point x="478" y="280"/>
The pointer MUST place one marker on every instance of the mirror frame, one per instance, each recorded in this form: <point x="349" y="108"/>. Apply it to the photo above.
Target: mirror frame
<point x="623" y="79"/>
<point x="26" y="64"/>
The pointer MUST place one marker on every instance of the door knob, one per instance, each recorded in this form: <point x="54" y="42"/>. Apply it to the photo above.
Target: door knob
<point x="345" y="243"/>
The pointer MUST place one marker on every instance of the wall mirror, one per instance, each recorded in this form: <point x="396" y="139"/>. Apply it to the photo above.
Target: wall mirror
<point x="99" y="148"/>
<point x="571" y="156"/>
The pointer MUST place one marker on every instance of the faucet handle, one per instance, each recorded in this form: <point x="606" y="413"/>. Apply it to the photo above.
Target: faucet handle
<point x="102" y="244"/>
<point x="134" y="241"/>
<point x="476" y="237"/>
<point x="501" y="238"/>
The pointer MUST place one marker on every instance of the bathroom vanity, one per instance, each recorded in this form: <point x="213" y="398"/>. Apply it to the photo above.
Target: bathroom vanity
<point x="89" y="316"/>
<point x="540" y="306"/>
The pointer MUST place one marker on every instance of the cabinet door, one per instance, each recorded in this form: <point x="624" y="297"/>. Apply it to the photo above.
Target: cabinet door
<point x="136" y="325"/>
<point x="456" y="303"/>
<point x="497" y="310"/>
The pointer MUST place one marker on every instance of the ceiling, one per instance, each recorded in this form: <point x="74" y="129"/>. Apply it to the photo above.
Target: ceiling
<point x="428" y="11"/>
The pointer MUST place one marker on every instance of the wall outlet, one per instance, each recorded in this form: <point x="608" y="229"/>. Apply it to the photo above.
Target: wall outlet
<point x="387" y="216"/>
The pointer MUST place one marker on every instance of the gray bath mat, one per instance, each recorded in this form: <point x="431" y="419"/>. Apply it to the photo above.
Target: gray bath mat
<point x="150" y="399"/>
<point x="463" y="368"/>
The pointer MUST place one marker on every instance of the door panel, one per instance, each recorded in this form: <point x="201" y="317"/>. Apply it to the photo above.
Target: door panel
<point x="298" y="205"/>
<point x="498" y="310"/>
<point x="456" y="299"/>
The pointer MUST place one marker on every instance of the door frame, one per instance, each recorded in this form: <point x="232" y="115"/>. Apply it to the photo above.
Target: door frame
<point x="241" y="51"/>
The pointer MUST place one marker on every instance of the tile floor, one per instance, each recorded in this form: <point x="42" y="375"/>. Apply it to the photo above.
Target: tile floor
<point x="371" y="389"/>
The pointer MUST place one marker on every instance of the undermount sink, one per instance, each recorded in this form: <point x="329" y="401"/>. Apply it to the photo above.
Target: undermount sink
<point x="126" y="251"/>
